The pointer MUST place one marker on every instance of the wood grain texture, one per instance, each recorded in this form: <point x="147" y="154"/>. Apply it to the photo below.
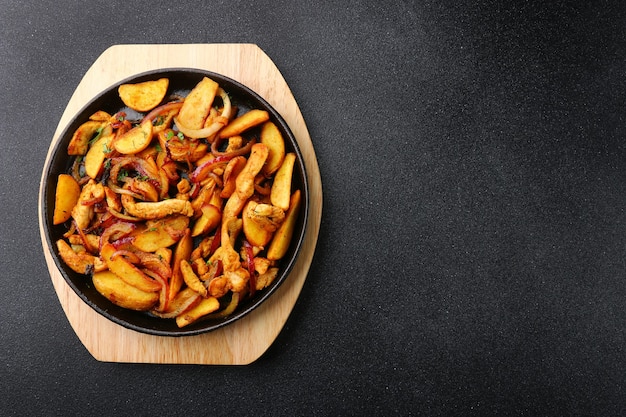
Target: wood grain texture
<point x="247" y="339"/>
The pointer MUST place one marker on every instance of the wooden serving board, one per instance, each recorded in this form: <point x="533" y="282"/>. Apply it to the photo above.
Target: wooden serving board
<point x="245" y="340"/>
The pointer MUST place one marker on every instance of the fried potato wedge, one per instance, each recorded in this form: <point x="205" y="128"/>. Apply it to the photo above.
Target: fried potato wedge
<point x="127" y="271"/>
<point x="281" y="188"/>
<point x="135" y="140"/>
<point x="184" y="300"/>
<point x="282" y="237"/>
<point x="271" y="136"/>
<point x="160" y="233"/>
<point x="197" y="104"/>
<point x="100" y="116"/>
<point x="205" y="306"/>
<point x="244" y="122"/>
<point x="183" y="250"/>
<point x="79" y="143"/>
<point x="120" y="293"/>
<point x="65" y="198"/>
<point x="143" y="96"/>
<point x="208" y="221"/>
<point x="98" y="152"/>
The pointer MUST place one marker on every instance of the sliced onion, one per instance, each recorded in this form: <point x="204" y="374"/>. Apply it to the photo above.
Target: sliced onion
<point x="138" y="164"/>
<point x="166" y="108"/>
<point x="203" y="170"/>
<point x="155" y="263"/>
<point x="116" y="231"/>
<point x="226" y="100"/>
<point x="119" y="190"/>
<point x="86" y="244"/>
<point x="126" y="254"/>
<point x="92" y="201"/>
<point x="262" y="189"/>
<point x="201" y="133"/>
<point x="76" y="169"/>
<point x="163" y="301"/>
<point x="217" y="179"/>
<point x="123" y="216"/>
<point x="190" y="302"/>
<point x="220" y="121"/>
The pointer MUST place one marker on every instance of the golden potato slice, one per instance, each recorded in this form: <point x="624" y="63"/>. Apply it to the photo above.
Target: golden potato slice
<point x="184" y="300"/>
<point x="160" y="233"/>
<point x="116" y="290"/>
<point x="143" y="96"/>
<point x="281" y="187"/>
<point x="82" y="136"/>
<point x="181" y="252"/>
<point x="100" y="116"/>
<point x="282" y="237"/>
<point x="210" y="219"/>
<point x="244" y="122"/>
<point x="197" y="104"/>
<point x="203" y="197"/>
<point x="271" y="136"/>
<point x="89" y="241"/>
<point x="216" y="199"/>
<point x="65" y="198"/>
<point x="204" y="307"/>
<point x="98" y="152"/>
<point x="135" y="140"/>
<point x="127" y="271"/>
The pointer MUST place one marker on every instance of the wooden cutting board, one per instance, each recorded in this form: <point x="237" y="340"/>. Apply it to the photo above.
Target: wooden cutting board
<point x="247" y="339"/>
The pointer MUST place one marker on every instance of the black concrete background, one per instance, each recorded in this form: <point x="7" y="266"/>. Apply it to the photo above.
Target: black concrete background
<point x="471" y="254"/>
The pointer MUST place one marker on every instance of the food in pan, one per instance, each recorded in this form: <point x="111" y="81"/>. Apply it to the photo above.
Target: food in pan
<point x="182" y="213"/>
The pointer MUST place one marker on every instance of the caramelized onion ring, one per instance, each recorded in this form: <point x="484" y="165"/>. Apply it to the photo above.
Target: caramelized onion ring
<point x="220" y="121"/>
<point x="166" y="108"/>
<point x="126" y="254"/>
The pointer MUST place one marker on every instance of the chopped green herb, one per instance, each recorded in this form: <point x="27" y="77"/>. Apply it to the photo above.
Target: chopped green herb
<point x="95" y="138"/>
<point x="122" y="175"/>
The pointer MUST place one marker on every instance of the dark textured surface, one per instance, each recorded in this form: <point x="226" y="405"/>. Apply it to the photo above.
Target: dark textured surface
<point x="471" y="255"/>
